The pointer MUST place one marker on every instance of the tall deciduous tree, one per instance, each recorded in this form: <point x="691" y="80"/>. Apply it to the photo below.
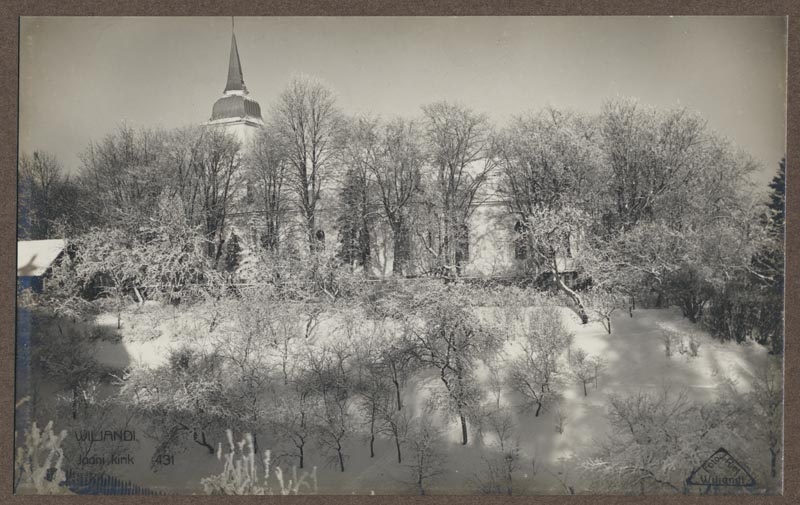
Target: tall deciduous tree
<point x="652" y="155"/>
<point x="308" y="122"/>
<point x="550" y="175"/>
<point x="40" y="176"/>
<point x="122" y="177"/>
<point x="268" y="165"/>
<point x="356" y="212"/>
<point x="393" y="153"/>
<point x="459" y="146"/>
<point x="215" y="166"/>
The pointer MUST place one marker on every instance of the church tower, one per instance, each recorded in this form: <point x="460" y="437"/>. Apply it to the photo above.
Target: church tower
<point x="235" y="111"/>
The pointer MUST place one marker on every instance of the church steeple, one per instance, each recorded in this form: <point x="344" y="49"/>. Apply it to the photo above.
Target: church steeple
<point x="235" y="78"/>
<point x="235" y="110"/>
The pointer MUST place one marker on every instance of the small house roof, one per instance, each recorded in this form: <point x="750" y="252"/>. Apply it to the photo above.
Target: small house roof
<point x="35" y="257"/>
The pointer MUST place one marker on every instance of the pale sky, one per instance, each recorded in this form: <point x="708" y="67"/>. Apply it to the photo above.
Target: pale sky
<point x="80" y="77"/>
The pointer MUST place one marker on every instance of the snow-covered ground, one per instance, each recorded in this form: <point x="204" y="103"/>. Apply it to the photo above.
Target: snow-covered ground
<point x="634" y="358"/>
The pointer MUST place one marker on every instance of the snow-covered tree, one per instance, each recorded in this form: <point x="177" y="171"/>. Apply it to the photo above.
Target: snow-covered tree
<point x="451" y="340"/>
<point x="395" y="156"/>
<point x="267" y="165"/>
<point x="459" y="149"/>
<point x="658" y="439"/>
<point x="550" y="174"/>
<point x="395" y="423"/>
<point x="295" y="410"/>
<point x="583" y="368"/>
<point x="427" y="459"/>
<point x="307" y="121"/>
<point x="330" y="371"/>
<point x="603" y="303"/>
<point x="183" y="401"/>
<point x="534" y="373"/>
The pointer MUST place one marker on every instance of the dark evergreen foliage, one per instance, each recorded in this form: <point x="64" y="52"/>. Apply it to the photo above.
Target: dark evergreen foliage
<point x="353" y="222"/>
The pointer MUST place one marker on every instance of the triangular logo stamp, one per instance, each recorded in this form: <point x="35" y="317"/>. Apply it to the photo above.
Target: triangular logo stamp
<point x="721" y="469"/>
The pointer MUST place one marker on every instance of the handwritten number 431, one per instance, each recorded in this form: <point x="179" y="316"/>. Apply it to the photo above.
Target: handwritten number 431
<point x="164" y="459"/>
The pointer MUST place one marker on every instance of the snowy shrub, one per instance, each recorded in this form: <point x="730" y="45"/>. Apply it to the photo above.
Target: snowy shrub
<point x="657" y="439"/>
<point x="685" y="344"/>
<point x="741" y="311"/>
<point x="510" y="310"/>
<point x="690" y="289"/>
<point x="65" y="356"/>
<point x="668" y="337"/>
<point x="497" y="477"/>
<point x="37" y="463"/>
<point x="694" y="346"/>
<point x="240" y="474"/>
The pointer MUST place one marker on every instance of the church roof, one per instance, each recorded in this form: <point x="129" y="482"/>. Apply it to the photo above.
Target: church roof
<point x="236" y="107"/>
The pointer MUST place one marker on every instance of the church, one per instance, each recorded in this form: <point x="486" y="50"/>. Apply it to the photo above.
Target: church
<point x="491" y="251"/>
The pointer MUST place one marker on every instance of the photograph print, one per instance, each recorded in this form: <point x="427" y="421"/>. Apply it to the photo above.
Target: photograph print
<point x="400" y="255"/>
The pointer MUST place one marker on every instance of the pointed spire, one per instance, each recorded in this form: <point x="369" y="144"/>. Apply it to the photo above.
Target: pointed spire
<point x="235" y="77"/>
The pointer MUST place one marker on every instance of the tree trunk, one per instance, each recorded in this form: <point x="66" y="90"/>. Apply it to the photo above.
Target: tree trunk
<point x="397" y="444"/>
<point x="372" y="436"/>
<point x="341" y="457"/>
<point x="572" y="294"/>
<point x="396" y="383"/>
<point x="585" y="393"/>
<point x="138" y="295"/>
<point x="74" y="403"/>
<point x="397" y="258"/>
<point x="397" y="392"/>
<point x="464" y="439"/>
<point x="302" y="455"/>
<point x="538" y="409"/>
